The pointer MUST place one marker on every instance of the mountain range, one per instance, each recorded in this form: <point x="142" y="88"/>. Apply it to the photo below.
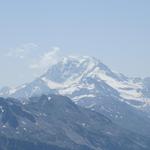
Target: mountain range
<point x="85" y="77"/>
<point x="92" y="85"/>
<point x="54" y="122"/>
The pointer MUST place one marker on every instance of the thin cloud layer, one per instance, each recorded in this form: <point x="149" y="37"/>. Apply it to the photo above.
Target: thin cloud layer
<point x="33" y="57"/>
<point x="48" y="58"/>
<point x="31" y="60"/>
<point x="22" y="51"/>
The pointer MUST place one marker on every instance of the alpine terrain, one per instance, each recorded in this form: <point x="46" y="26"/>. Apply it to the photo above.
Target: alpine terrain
<point x="54" y="122"/>
<point x="91" y="84"/>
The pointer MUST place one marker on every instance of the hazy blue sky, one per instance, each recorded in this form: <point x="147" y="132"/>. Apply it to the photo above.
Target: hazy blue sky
<point x="116" y="31"/>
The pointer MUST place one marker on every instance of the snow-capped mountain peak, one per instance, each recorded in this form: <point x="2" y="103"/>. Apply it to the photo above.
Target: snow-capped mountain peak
<point x="72" y="67"/>
<point x="81" y="77"/>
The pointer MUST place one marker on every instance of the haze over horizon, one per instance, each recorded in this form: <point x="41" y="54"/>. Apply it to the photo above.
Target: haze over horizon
<point x="118" y="33"/>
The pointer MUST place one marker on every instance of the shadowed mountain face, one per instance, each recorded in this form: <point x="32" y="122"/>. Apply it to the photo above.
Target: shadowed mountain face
<point x="55" y="122"/>
<point x="10" y="112"/>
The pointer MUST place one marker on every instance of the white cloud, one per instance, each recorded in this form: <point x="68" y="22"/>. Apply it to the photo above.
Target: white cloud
<point x="32" y="60"/>
<point x="48" y="58"/>
<point x="22" y="51"/>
